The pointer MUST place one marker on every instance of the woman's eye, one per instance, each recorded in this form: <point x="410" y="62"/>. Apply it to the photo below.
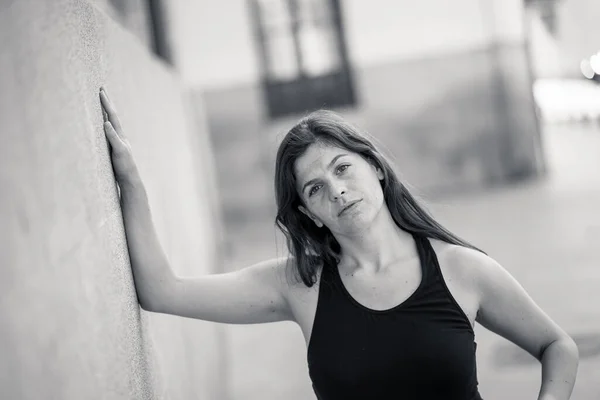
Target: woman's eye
<point x="313" y="190"/>
<point x="342" y="168"/>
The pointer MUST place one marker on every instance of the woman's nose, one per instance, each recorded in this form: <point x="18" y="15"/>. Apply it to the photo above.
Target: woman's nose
<point x="337" y="192"/>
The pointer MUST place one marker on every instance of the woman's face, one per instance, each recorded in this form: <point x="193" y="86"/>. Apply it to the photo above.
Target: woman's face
<point x="340" y="189"/>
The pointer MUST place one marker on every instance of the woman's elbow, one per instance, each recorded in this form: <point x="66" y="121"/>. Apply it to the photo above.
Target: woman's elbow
<point x="565" y="347"/>
<point x="150" y="302"/>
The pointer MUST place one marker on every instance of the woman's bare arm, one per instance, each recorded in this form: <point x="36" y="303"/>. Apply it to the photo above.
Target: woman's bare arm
<point x="252" y="295"/>
<point x="507" y="309"/>
<point x="255" y="294"/>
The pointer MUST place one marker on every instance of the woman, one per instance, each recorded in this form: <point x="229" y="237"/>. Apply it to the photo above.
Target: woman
<point x="385" y="296"/>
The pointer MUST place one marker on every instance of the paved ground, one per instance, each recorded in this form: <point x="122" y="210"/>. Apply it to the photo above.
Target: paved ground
<point x="546" y="233"/>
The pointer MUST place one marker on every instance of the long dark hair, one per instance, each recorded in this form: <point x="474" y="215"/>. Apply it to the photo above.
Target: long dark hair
<point x="312" y="247"/>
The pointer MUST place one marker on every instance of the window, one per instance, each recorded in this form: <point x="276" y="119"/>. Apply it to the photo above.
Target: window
<point x="146" y="20"/>
<point x="304" y="64"/>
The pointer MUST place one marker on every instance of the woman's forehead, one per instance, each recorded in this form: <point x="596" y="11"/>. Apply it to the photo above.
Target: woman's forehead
<point x="318" y="156"/>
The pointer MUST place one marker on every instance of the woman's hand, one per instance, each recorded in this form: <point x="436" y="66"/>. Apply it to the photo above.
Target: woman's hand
<point x="124" y="166"/>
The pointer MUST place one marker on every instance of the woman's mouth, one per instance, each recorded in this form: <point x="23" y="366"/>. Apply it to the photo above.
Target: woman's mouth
<point x="349" y="206"/>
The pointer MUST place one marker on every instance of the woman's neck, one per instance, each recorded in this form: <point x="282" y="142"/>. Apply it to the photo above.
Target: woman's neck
<point x="377" y="246"/>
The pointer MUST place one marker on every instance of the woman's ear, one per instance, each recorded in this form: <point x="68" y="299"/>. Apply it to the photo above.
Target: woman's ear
<point x="377" y="169"/>
<point x="309" y="215"/>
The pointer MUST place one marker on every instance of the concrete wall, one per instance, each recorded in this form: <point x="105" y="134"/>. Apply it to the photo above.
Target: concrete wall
<point x="133" y="15"/>
<point x="71" y="325"/>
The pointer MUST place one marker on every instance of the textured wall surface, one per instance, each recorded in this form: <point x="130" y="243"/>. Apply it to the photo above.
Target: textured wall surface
<point x="71" y="325"/>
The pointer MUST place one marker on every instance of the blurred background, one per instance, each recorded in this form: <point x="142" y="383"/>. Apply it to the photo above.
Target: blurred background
<point x="489" y="108"/>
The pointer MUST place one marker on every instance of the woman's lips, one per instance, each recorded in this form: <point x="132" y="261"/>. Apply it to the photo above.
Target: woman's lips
<point x="349" y="206"/>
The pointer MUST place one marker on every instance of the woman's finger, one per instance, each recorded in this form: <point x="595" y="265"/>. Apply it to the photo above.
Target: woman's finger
<point x="116" y="143"/>
<point x="110" y="111"/>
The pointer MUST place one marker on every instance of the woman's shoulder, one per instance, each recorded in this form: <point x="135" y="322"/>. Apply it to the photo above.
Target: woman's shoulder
<point x="464" y="264"/>
<point x="458" y="255"/>
<point x="283" y="274"/>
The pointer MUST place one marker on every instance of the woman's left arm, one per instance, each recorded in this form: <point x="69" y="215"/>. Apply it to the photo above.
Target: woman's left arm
<point x="506" y="309"/>
<point x="559" y="369"/>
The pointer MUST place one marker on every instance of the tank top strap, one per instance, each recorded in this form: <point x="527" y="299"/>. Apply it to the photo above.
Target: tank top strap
<point x="427" y="257"/>
<point x="329" y="284"/>
<point x="435" y="284"/>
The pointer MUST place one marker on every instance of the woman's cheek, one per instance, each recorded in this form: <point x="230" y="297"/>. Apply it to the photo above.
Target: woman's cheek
<point x="317" y="206"/>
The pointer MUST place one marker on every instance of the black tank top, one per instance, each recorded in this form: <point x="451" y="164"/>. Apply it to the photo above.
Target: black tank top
<point x="423" y="348"/>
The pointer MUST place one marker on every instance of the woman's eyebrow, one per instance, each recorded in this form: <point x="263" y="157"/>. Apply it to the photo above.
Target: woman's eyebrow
<point x="328" y="166"/>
